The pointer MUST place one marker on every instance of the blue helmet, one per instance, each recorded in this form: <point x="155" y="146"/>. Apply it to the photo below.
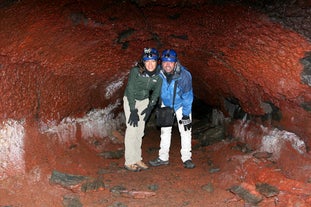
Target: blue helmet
<point x="150" y="54"/>
<point x="169" y="56"/>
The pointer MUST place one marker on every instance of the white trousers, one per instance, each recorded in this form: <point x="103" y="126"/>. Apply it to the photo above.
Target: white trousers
<point x="133" y="135"/>
<point x="166" y="134"/>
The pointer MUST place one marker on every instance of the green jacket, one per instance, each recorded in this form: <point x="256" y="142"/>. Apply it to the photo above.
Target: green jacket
<point x="140" y="86"/>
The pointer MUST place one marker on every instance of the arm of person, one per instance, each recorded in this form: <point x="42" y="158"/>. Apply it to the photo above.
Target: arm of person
<point x="131" y="88"/>
<point x="187" y="103"/>
<point x="156" y="92"/>
<point x="187" y="92"/>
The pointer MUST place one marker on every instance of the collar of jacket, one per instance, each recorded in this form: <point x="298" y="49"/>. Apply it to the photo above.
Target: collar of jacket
<point x="143" y="72"/>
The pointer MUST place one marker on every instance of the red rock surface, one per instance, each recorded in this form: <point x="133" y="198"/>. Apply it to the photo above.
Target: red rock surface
<point x="60" y="59"/>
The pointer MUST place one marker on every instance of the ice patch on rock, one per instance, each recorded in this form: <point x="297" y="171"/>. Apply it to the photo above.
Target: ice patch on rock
<point x="275" y="140"/>
<point x="272" y="140"/>
<point x="12" y="134"/>
<point x="97" y="123"/>
<point x="218" y="117"/>
<point x="65" y="130"/>
<point x="242" y="130"/>
<point x="113" y="87"/>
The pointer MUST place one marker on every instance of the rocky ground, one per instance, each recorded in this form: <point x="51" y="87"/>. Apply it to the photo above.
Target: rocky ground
<point x="227" y="173"/>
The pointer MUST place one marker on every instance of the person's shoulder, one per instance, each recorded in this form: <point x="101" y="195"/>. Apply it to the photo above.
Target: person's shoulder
<point x="157" y="75"/>
<point x="160" y="71"/>
<point x="135" y="69"/>
<point x="185" y="70"/>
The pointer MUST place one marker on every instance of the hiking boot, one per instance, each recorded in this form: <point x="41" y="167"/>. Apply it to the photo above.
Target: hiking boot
<point x="133" y="168"/>
<point x="189" y="164"/>
<point x="158" y="162"/>
<point x="142" y="165"/>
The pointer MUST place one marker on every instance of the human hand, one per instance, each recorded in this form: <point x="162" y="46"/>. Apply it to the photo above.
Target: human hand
<point x="147" y="111"/>
<point x="133" y="119"/>
<point x="186" y="121"/>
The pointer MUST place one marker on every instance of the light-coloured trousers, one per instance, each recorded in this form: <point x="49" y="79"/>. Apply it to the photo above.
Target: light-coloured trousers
<point x="166" y="134"/>
<point x="134" y="135"/>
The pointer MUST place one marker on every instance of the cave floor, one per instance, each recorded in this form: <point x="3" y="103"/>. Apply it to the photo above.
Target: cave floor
<point x="219" y="167"/>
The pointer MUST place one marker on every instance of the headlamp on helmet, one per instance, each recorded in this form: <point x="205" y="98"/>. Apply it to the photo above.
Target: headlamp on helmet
<point x="169" y="56"/>
<point x="150" y="54"/>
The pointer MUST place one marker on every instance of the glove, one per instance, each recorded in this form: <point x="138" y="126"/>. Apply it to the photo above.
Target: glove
<point x="133" y="120"/>
<point x="147" y="111"/>
<point x="186" y="122"/>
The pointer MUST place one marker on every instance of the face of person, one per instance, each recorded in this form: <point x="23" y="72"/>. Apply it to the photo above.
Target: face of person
<point x="168" y="66"/>
<point x="150" y="65"/>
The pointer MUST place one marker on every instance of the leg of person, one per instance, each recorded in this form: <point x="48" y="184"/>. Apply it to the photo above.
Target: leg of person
<point x="140" y="105"/>
<point x="185" y="150"/>
<point x="166" y="133"/>
<point x="130" y="141"/>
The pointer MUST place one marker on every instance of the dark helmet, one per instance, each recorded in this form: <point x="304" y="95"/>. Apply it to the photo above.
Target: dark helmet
<point x="150" y="54"/>
<point x="169" y="56"/>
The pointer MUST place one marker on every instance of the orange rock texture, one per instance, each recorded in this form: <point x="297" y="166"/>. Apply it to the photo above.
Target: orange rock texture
<point x="62" y="59"/>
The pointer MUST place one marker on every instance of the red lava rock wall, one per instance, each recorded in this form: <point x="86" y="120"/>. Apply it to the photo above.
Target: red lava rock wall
<point x="256" y="61"/>
<point x="58" y="59"/>
<point x="52" y="68"/>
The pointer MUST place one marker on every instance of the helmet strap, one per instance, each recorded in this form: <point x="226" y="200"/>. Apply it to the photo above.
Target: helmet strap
<point x="177" y="68"/>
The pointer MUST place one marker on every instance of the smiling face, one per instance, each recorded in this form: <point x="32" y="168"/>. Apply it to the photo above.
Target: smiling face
<point x="168" y="67"/>
<point x="150" y="65"/>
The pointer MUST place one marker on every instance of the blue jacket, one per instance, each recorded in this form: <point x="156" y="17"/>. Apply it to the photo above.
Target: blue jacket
<point x="184" y="91"/>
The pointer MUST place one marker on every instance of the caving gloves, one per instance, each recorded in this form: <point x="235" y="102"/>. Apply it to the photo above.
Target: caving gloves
<point x="133" y="120"/>
<point x="147" y="111"/>
<point x="186" y="121"/>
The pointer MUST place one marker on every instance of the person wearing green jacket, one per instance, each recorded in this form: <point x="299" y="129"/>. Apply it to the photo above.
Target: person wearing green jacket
<point x="140" y="97"/>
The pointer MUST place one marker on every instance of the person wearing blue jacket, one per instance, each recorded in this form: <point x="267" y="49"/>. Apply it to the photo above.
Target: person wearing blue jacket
<point x="172" y="71"/>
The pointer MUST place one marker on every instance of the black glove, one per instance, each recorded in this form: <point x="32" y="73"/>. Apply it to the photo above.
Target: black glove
<point x="186" y="121"/>
<point x="133" y="120"/>
<point x="147" y="111"/>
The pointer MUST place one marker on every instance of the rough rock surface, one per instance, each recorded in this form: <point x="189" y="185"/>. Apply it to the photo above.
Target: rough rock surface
<point x="64" y="66"/>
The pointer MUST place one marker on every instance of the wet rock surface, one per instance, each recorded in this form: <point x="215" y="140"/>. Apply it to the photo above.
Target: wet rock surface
<point x="66" y="180"/>
<point x="98" y="181"/>
<point x="72" y="201"/>
<point x="267" y="190"/>
<point x="76" y="182"/>
<point x="61" y="61"/>
<point x="246" y="194"/>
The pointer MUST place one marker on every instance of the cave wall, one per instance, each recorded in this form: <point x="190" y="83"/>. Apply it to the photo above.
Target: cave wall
<point x="64" y="64"/>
